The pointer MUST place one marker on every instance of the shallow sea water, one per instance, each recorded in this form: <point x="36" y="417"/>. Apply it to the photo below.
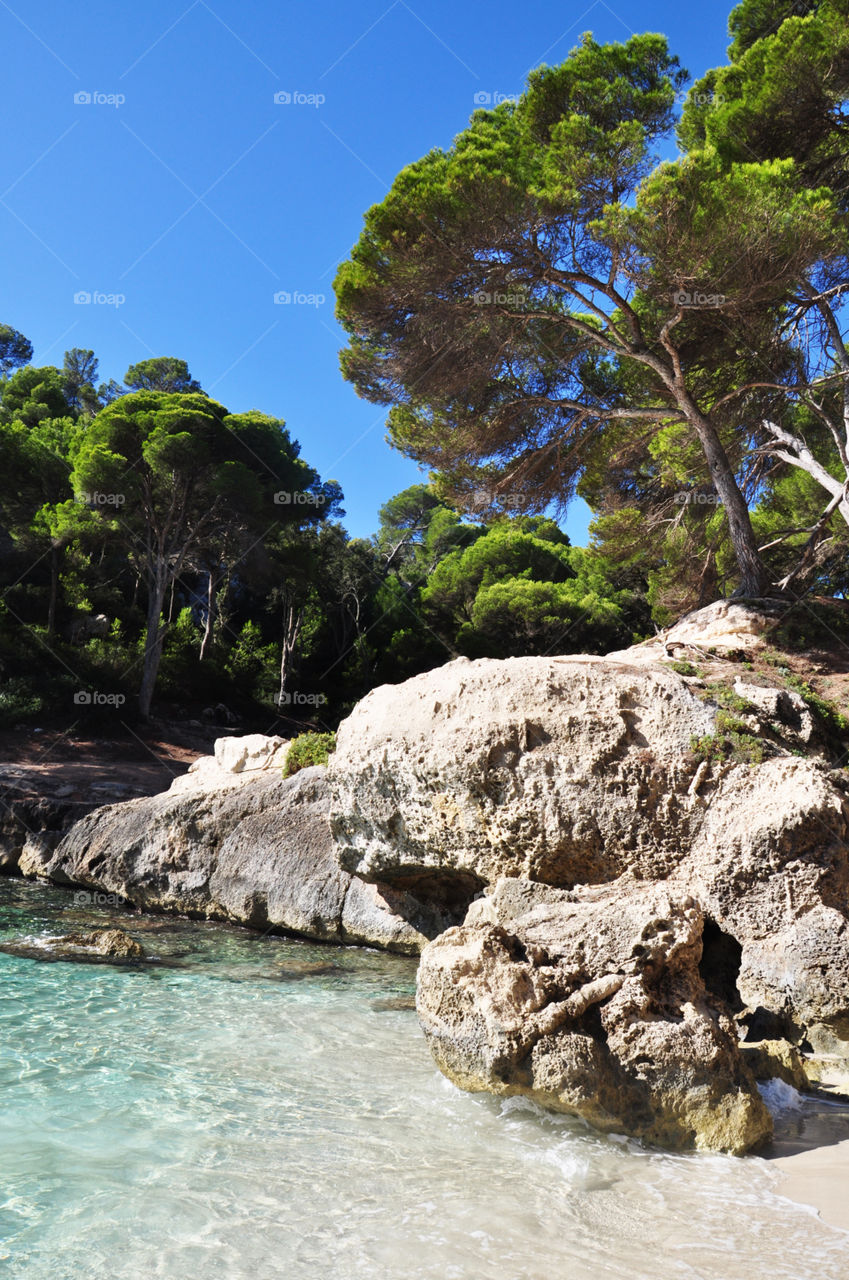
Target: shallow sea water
<point x="255" y="1107"/>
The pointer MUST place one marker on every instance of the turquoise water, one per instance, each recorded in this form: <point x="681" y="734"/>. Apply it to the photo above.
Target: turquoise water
<point x="255" y="1107"/>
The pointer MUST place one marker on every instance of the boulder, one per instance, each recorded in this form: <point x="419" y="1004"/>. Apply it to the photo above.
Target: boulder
<point x="563" y="770"/>
<point x="776" y="1060"/>
<point x="235" y="760"/>
<point x="586" y="774"/>
<point x="253" y="751"/>
<point x="257" y="852"/>
<point x="32" y="823"/>
<point x="783" y="706"/>
<point x="591" y="1002"/>
<point x="770" y="866"/>
<point x="727" y="626"/>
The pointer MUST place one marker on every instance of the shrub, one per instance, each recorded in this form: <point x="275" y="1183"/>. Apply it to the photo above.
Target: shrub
<point x="308" y="749"/>
<point x="19" y="701"/>
<point x="684" y="668"/>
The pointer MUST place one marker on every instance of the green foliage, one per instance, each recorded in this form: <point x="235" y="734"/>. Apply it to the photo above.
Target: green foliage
<point x="20" y="700"/>
<point x="727" y="699"/>
<point x="161" y="373"/>
<point x="520" y="588"/>
<point x="32" y="395"/>
<point x="684" y="668"/>
<point x="251" y="663"/>
<point x="15" y="349"/>
<point x="732" y="743"/>
<point x="308" y="749"/>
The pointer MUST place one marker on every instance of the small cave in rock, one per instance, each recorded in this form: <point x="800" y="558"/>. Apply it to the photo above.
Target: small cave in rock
<point x="447" y="893"/>
<point x="720" y="964"/>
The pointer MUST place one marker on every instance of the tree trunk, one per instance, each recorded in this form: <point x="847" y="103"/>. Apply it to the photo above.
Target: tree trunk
<point x="754" y="577"/>
<point x="291" y="628"/>
<point x="153" y="642"/>
<point x="210" y="616"/>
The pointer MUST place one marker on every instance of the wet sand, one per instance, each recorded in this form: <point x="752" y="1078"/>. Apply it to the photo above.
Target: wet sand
<point x="816" y="1176"/>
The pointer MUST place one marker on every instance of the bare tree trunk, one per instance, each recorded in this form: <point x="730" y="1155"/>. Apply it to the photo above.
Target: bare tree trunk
<point x="292" y="619"/>
<point x="211" y="609"/>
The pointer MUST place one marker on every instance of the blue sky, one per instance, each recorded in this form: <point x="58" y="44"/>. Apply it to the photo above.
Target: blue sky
<point x="182" y="197"/>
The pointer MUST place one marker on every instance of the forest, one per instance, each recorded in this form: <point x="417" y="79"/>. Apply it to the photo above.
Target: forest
<point x="547" y="308"/>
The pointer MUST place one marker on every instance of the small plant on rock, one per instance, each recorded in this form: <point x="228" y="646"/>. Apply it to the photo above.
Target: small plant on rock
<point x="308" y="749"/>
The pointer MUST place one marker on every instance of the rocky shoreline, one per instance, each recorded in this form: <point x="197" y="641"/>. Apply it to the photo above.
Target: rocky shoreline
<point x="618" y="916"/>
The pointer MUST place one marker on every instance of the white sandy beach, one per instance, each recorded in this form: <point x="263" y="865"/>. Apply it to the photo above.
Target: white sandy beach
<point x="818" y="1176"/>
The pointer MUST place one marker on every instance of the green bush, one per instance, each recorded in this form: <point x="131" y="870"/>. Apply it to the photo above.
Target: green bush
<point x="684" y="668"/>
<point x="307" y="749"/>
<point x="18" y="701"/>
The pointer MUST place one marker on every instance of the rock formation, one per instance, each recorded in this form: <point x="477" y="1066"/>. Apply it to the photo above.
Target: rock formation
<point x="97" y="946"/>
<point x="233" y="840"/>
<point x="591" y="1002"/>
<point x="596" y="777"/>
<point x="563" y="770"/>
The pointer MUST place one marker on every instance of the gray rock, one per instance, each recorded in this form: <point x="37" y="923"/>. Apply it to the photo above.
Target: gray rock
<point x="97" y="946"/>
<point x="258" y="852"/>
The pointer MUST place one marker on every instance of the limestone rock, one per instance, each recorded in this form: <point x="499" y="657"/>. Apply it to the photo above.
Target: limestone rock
<point x="253" y="751"/>
<point x="770" y="865"/>
<point x="725" y="626"/>
<point x="783" y="706"/>
<point x="776" y="1060"/>
<point x="110" y="946"/>
<point x="258" y="853"/>
<point x="591" y="1002"/>
<point x="235" y="760"/>
<point x="563" y="770"/>
<point x="579" y="773"/>
<point x="113" y="943"/>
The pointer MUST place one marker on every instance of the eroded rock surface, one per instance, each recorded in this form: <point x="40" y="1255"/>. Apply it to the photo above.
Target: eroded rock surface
<point x="563" y="770"/>
<point x="589" y="775"/>
<point x="727" y="626"/>
<point x="591" y="1002"/>
<point x="257" y="852"/>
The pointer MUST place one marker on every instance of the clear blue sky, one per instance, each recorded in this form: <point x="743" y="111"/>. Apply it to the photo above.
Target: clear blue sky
<point x="198" y="197"/>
